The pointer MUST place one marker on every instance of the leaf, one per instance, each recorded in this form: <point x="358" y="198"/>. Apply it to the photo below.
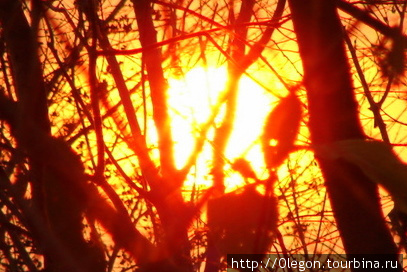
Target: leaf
<point x="242" y="166"/>
<point x="281" y="129"/>
<point x="377" y="161"/>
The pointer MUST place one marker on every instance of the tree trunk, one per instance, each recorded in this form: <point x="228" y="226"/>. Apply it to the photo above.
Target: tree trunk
<point x="334" y="117"/>
<point x="55" y="218"/>
<point x="170" y="204"/>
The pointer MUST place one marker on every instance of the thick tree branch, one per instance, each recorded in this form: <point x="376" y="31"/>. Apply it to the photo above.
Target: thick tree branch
<point x="158" y="88"/>
<point x="223" y="132"/>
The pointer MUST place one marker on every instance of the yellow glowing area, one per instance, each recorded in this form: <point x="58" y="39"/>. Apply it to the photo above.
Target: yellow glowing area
<point x="195" y="94"/>
<point x="192" y="100"/>
<point x="254" y="103"/>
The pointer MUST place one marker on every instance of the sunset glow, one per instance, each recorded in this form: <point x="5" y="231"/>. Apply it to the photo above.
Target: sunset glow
<point x="193" y="98"/>
<point x="166" y="135"/>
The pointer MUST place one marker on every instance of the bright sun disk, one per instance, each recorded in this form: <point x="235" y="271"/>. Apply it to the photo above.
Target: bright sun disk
<point x="191" y="101"/>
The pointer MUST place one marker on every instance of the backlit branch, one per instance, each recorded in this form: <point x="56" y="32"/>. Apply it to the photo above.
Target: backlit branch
<point x="158" y="87"/>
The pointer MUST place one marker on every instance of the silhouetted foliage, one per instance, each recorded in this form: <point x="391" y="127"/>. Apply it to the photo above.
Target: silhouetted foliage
<point x="107" y="164"/>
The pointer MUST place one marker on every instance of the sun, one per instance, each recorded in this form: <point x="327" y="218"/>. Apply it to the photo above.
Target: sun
<point x="191" y="101"/>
